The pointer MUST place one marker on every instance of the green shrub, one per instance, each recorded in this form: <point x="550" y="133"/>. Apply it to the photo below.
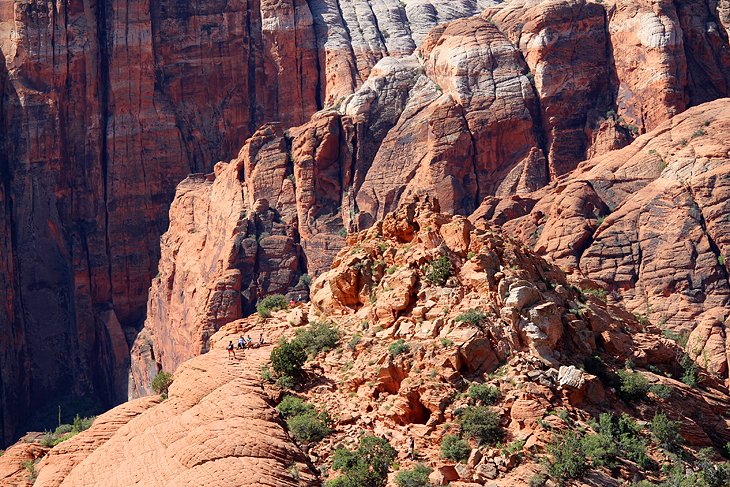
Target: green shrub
<point x="272" y="302"/>
<point x="354" y="341"/>
<point x="308" y="427"/>
<point x="473" y="317"/>
<point x="690" y="374"/>
<point x="398" y="347"/>
<point x="63" y="429"/>
<point x="367" y="466"/>
<point x="661" y="390"/>
<point x="161" y="383"/>
<point x="713" y="473"/>
<point x="305" y="280"/>
<point x="600" y="449"/>
<point x="454" y="448"/>
<point x="567" y="457"/>
<point x="634" y="386"/>
<point x="287" y="359"/>
<point x="666" y="432"/>
<point x="487" y="394"/>
<point x="631" y="445"/>
<point x="439" y="271"/>
<point x="318" y="337"/>
<point x="537" y="480"/>
<point x="601" y="294"/>
<point x="285" y="382"/>
<point x="414" y="477"/>
<point x="293" y="406"/>
<point x="480" y="423"/>
<point x="266" y="373"/>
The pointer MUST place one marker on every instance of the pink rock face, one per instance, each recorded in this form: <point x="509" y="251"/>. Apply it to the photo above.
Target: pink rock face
<point x="217" y="427"/>
<point x="651" y="227"/>
<point x="105" y="108"/>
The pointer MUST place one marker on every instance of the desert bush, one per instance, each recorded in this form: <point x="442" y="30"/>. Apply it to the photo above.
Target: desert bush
<point x="308" y="427"/>
<point x="320" y="336"/>
<point x="414" y="477"/>
<point x="567" y="458"/>
<point x="161" y="383"/>
<point x="366" y="466"/>
<point x="272" y="302"/>
<point x="398" y="347"/>
<point x="288" y="358"/>
<point x="439" y="271"/>
<point x="473" y="317"/>
<point x="293" y="406"/>
<point x="487" y="394"/>
<point x="634" y="385"/>
<point x="480" y="423"/>
<point x="666" y="432"/>
<point x="454" y="448"/>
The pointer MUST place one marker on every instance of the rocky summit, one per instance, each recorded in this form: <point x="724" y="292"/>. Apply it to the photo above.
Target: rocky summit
<point x="467" y="242"/>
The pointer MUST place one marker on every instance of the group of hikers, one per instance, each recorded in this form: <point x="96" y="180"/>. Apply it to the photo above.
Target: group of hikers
<point x="243" y="344"/>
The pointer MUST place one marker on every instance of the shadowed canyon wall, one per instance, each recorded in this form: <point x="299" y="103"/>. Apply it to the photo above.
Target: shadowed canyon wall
<point x="107" y="106"/>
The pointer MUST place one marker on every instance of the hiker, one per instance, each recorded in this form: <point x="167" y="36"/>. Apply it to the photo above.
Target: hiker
<point x="248" y="342"/>
<point x="261" y="339"/>
<point x="241" y="343"/>
<point x="412" y="449"/>
<point x="231" y="350"/>
<point x="292" y="303"/>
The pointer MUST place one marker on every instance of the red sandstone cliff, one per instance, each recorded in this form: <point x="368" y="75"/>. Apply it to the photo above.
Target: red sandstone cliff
<point x="107" y="106"/>
<point x="494" y="105"/>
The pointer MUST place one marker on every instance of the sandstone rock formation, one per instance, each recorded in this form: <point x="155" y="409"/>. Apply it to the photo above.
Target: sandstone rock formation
<point x="105" y="108"/>
<point x="216" y="428"/>
<point x="501" y="317"/>
<point x="649" y="223"/>
<point x="481" y="110"/>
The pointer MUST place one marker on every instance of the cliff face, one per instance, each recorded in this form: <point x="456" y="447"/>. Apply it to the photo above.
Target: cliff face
<point x="488" y="107"/>
<point x="650" y="223"/>
<point x="106" y="106"/>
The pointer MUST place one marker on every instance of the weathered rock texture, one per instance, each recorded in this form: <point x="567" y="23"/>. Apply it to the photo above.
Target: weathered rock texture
<point x="494" y="105"/>
<point x="650" y="223"/>
<point x="106" y="106"/>
<point x="502" y="319"/>
<point x="215" y="428"/>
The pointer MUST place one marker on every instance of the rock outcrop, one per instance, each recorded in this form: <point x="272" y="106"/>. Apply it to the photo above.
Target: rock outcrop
<point x="106" y="107"/>
<point x="649" y="223"/>
<point x="483" y="111"/>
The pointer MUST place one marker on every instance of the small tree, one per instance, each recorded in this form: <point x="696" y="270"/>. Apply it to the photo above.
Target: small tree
<point x="439" y="271"/>
<point x="161" y="382"/>
<point x="634" y="385"/>
<point x="454" y="448"/>
<point x="414" y="477"/>
<point x="666" y="432"/>
<point x="288" y="358"/>
<point x="481" y="424"/>
<point x="568" y="457"/>
<point x="367" y="466"/>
